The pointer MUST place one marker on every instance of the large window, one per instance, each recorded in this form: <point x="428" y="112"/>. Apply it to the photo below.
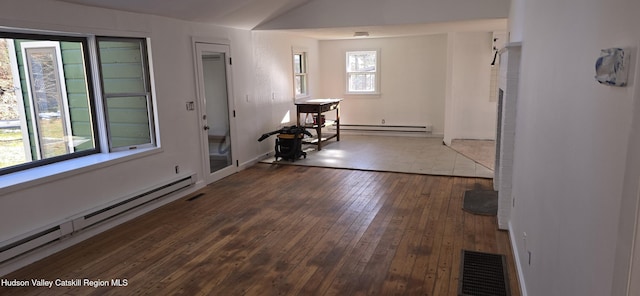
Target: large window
<point x="48" y="103"/>
<point x="363" y="72"/>
<point x="300" y="81"/>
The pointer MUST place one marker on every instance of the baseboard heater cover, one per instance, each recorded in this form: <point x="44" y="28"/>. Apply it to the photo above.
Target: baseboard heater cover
<point x="386" y="128"/>
<point x="34" y="241"/>
<point x="39" y="238"/>
<point x="131" y="203"/>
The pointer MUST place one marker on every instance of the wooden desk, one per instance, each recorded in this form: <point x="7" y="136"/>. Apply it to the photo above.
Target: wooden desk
<point x="317" y="107"/>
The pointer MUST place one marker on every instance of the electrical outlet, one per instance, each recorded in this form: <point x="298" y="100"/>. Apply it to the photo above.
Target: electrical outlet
<point x="177" y="168"/>
<point x="529" y="257"/>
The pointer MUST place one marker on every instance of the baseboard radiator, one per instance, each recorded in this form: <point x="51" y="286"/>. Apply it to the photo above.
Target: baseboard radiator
<point x="22" y="245"/>
<point x="404" y="129"/>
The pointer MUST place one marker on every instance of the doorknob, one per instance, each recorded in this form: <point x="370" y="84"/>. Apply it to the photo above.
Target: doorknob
<point x="206" y="127"/>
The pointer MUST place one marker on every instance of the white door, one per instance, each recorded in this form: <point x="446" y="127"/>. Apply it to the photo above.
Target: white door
<point x="216" y="111"/>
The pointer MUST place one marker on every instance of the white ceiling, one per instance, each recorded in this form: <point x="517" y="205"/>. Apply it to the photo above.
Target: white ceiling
<point x="249" y="14"/>
<point x="242" y="14"/>
<point x="490" y="25"/>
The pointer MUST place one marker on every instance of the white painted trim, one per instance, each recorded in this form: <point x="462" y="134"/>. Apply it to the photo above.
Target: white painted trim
<point x="98" y="101"/>
<point x="64" y="169"/>
<point x="633" y="288"/>
<point x="378" y="89"/>
<point x="17" y="89"/>
<point x="304" y="52"/>
<point x="516" y="257"/>
<point x="64" y="112"/>
<point x="201" y="103"/>
<point x="247" y="164"/>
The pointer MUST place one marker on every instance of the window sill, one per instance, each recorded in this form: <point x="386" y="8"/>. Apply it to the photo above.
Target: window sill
<point x="371" y="94"/>
<point x="302" y="97"/>
<point x="65" y="169"/>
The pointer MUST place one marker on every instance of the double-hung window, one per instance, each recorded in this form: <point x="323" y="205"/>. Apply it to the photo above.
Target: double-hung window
<point x="363" y="72"/>
<point x="48" y="102"/>
<point x="126" y="92"/>
<point x="300" y="80"/>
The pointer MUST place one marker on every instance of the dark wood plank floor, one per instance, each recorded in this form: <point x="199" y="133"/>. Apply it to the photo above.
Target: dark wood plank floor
<point x="288" y="230"/>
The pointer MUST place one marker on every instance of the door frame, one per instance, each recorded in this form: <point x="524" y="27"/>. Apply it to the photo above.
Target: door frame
<point x="633" y="281"/>
<point x="220" y="46"/>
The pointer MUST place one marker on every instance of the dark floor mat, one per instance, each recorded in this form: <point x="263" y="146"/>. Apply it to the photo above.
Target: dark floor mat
<point x="481" y="202"/>
<point x="483" y="274"/>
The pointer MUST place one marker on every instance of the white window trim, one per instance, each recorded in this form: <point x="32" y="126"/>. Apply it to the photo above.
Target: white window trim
<point x="63" y="88"/>
<point x="377" y="91"/>
<point x="305" y="54"/>
<point x="17" y="88"/>
<point x="151" y="113"/>
<point x="34" y="176"/>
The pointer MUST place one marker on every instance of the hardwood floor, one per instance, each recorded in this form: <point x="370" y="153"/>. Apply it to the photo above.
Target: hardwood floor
<point x="288" y="230"/>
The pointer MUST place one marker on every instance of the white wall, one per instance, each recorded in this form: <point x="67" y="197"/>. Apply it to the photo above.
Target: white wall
<point x="516" y="20"/>
<point x="440" y="80"/>
<point x="273" y="83"/>
<point x="412" y="73"/>
<point x="576" y="168"/>
<point x="262" y="67"/>
<point x="470" y="112"/>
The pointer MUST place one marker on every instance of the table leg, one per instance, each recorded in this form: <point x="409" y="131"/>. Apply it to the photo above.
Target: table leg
<point x="338" y="122"/>
<point x="319" y="130"/>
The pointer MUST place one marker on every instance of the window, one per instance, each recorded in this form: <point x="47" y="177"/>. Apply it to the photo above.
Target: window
<point x="300" y="81"/>
<point x="363" y="72"/>
<point x="48" y="104"/>
<point x="126" y="92"/>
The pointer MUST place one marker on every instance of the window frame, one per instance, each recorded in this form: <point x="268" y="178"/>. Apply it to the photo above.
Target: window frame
<point x="304" y="73"/>
<point x="148" y="94"/>
<point x="348" y="74"/>
<point x="86" y="44"/>
<point x="101" y="152"/>
<point x="64" y="113"/>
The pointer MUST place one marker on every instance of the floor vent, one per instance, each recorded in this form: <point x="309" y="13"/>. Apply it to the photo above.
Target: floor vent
<point x="483" y="274"/>
<point x="199" y="195"/>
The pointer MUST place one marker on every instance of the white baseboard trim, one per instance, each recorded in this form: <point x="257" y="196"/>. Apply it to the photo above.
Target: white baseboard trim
<point x="516" y="257"/>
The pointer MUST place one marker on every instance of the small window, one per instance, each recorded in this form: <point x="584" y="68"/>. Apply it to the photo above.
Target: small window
<point x="300" y="81"/>
<point x="126" y="92"/>
<point x="363" y="72"/>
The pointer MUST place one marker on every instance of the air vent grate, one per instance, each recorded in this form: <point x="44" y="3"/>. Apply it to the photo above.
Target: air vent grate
<point x="199" y="195"/>
<point x="483" y="274"/>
